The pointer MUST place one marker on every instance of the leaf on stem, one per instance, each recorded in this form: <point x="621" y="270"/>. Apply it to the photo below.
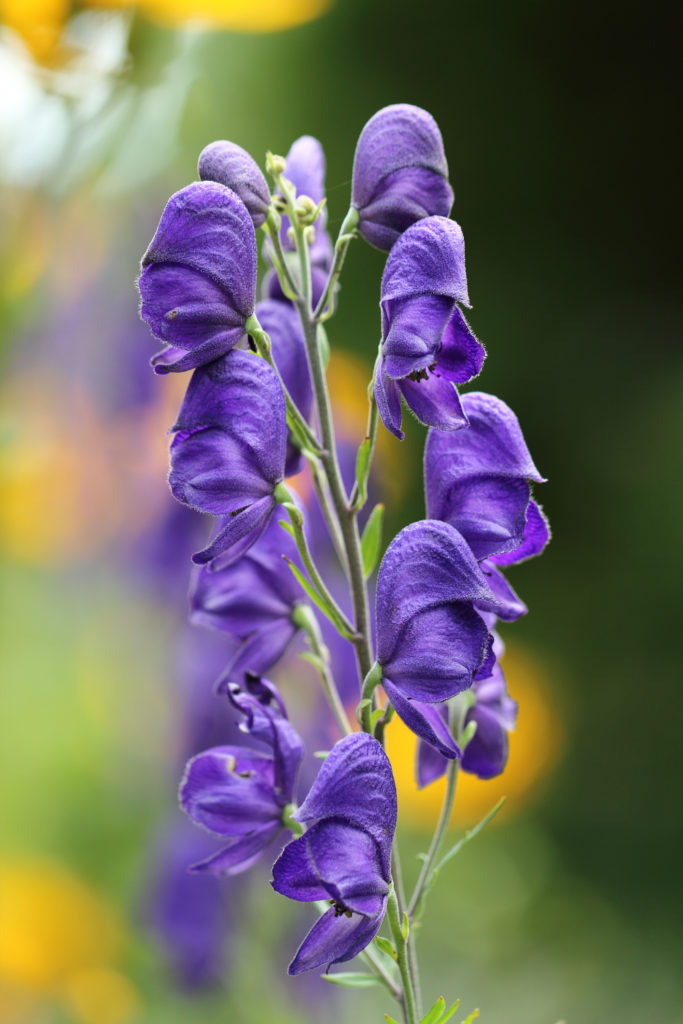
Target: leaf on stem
<point x="352" y="979"/>
<point x="317" y="599"/>
<point x="372" y="539"/>
<point x="363" y="471"/>
<point x="387" y="946"/>
<point x="457" y="847"/>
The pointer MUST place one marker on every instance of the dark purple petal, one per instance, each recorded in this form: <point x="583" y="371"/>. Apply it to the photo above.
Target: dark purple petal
<point x="424" y="720"/>
<point x="388" y="398"/>
<point x="412" y="337"/>
<point x="429" y="259"/>
<point x="435" y="402"/>
<point x="536" y="536"/>
<point x="336" y="938"/>
<point x="508" y="605"/>
<point x="333" y="860"/>
<point x="229" y="790"/>
<point x="461" y="356"/>
<point x="233" y="167"/>
<point x="240" y="854"/>
<point x="400" y="173"/>
<point x="281" y="322"/>
<point x="487" y="752"/>
<point x="356" y="782"/>
<point x="261" y="650"/>
<point x="212" y="471"/>
<point x="427" y="564"/>
<point x="437" y="652"/>
<point x="198" y="280"/>
<point x="237" y="533"/>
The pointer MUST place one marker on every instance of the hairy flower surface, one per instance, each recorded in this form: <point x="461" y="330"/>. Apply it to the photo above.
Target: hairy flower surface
<point x="228" y="454"/>
<point x="479" y="480"/>
<point x="230" y="165"/>
<point x="253" y="600"/>
<point x="344" y="855"/>
<point x="427" y="346"/>
<point x="240" y="792"/>
<point x="281" y="322"/>
<point x="431" y="639"/>
<point x="400" y="174"/>
<point x="198" y="280"/>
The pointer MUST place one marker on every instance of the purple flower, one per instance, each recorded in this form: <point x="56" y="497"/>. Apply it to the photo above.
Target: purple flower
<point x="344" y="856"/>
<point x="305" y="168"/>
<point x="479" y="480"/>
<point x="427" y="345"/>
<point x="198" y="280"/>
<point x="495" y="713"/>
<point x="281" y="322"/>
<point x="253" y="600"/>
<point x="239" y="792"/>
<point x="232" y="166"/>
<point x="400" y="174"/>
<point x="431" y="639"/>
<point x="228" y="455"/>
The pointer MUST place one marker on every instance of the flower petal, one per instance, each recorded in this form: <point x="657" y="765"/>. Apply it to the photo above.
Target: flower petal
<point x="233" y="167"/>
<point x="428" y="259"/>
<point x="334" y="939"/>
<point x="435" y="401"/>
<point x="356" y="782"/>
<point x="237" y="533"/>
<point x="424" y="720"/>
<point x="240" y="854"/>
<point x="388" y="398"/>
<point x="229" y="790"/>
<point x="508" y="605"/>
<point x="535" y="537"/>
<point x="414" y="327"/>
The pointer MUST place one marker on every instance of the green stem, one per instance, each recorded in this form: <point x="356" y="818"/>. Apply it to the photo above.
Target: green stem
<point x="328" y="513"/>
<point x="411" y="951"/>
<point x="377" y="968"/>
<point x="340" y="249"/>
<point x="408" y="1003"/>
<point x="306" y="620"/>
<point x="355" y="500"/>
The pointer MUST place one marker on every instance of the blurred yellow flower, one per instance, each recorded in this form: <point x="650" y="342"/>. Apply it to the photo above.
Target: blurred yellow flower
<point x="535" y="746"/>
<point x="57" y="942"/>
<point x="38" y="22"/>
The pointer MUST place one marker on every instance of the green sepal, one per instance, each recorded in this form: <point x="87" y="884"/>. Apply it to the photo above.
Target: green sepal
<point x="362" y="706"/>
<point x="386" y="945"/>
<point x="371" y="540"/>
<point x="351" y="979"/>
<point x="363" y="471"/>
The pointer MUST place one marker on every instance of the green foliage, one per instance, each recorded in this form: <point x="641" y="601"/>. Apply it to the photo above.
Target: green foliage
<point x="371" y="540"/>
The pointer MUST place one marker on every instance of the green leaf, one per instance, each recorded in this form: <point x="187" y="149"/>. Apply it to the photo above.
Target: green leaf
<point x="287" y="527"/>
<point x="434" y="1014"/>
<point x="405" y="927"/>
<point x="365" y="703"/>
<point x="449" y="1012"/>
<point x="386" y="945"/>
<point x="363" y="470"/>
<point x="472" y="1016"/>
<point x="375" y="717"/>
<point x="466" y="838"/>
<point x="317" y="598"/>
<point x="372" y="539"/>
<point x="389" y="1020"/>
<point x="351" y="979"/>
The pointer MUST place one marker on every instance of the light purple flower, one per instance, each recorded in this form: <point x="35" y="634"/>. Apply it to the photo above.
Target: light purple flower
<point x="344" y="856"/>
<point x="241" y="793"/>
<point x="427" y="345"/>
<point x="400" y="174"/>
<point x="228" y="455"/>
<point x="431" y="639"/>
<point x="230" y="165"/>
<point x="253" y="600"/>
<point x="198" y="280"/>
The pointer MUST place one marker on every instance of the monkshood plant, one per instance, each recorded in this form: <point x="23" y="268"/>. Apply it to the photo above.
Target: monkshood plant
<point x="257" y="409"/>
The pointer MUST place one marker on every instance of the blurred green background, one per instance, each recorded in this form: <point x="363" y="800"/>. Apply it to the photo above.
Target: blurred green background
<point x="557" y="122"/>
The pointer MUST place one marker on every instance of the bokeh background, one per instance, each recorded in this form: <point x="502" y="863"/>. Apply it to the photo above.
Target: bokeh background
<point x="558" y="122"/>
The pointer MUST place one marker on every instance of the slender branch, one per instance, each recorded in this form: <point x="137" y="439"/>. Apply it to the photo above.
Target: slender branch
<point x="355" y="501"/>
<point x="411" y="951"/>
<point x="382" y="973"/>
<point x="304" y="617"/>
<point x="328" y="513"/>
<point x="341" y="246"/>
<point x="408" y="1003"/>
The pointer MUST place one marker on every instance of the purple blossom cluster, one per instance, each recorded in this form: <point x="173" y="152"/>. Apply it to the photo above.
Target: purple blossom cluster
<point x="257" y="411"/>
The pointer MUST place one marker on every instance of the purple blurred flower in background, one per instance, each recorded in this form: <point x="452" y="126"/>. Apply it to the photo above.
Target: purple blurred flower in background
<point x="427" y="345"/>
<point x="431" y="639"/>
<point x="241" y="792"/>
<point x="253" y="600"/>
<point x="222" y="460"/>
<point x="282" y="324"/>
<point x="230" y="165"/>
<point x="400" y="174"/>
<point x="344" y="856"/>
<point x="198" y="280"/>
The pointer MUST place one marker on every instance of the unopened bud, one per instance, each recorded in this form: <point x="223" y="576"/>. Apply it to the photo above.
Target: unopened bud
<point x="275" y="165"/>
